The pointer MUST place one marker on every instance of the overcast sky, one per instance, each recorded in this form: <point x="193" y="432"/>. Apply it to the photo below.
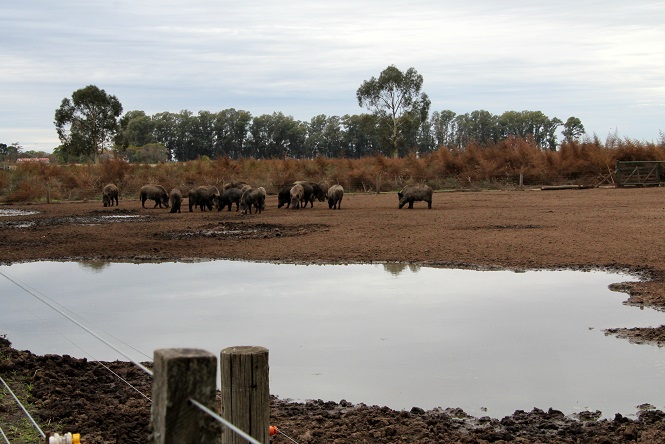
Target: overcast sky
<point x="600" y="61"/>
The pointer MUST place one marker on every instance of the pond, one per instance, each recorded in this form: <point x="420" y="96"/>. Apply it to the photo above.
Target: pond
<point x="490" y="342"/>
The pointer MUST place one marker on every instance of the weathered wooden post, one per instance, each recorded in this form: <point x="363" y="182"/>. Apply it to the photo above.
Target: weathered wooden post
<point x="178" y="375"/>
<point x="245" y="392"/>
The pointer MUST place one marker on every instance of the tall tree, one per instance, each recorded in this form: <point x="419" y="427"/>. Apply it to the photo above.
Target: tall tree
<point x="231" y="131"/>
<point x="87" y="123"/>
<point x="396" y="97"/>
<point x="135" y="129"/>
<point x="572" y="129"/>
<point x="443" y="127"/>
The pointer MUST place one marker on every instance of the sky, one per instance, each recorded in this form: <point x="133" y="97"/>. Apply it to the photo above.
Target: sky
<point x="600" y="61"/>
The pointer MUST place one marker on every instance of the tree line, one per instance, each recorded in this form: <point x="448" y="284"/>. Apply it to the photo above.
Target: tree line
<point x="236" y="134"/>
<point x="399" y="123"/>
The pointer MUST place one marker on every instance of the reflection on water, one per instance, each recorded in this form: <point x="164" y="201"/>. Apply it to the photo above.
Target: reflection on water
<point x="94" y="266"/>
<point x="489" y="342"/>
<point x="396" y="268"/>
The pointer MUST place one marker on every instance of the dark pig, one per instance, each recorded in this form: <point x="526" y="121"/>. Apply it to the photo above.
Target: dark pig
<point x="252" y="198"/>
<point x="415" y="193"/>
<point x="284" y="197"/>
<point x="109" y="195"/>
<point x="175" y="196"/>
<point x="234" y="184"/>
<point x="156" y="193"/>
<point x="202" y="197"/>
<point x="229" y="197"/>
<point x="262" y="198"/>
<point x="308" y="192"/>
<point x="335" y="195"/>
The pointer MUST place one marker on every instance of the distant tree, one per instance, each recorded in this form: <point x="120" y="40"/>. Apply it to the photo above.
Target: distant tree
<point x="325" y="137"/>
<point x="572" y="129"/>
<point x="362" y="135"/>
<point x="135" y="129"/>
<point x="395" y="97"/>
<point x="87" y="123"/>
<point x="530" y="124"/>
<point x="277" y="136"/>
<point x="150" y="153"/>
<point x="443" y="127"/>
<point x="166" y="132"/>
<point x="231" y="131"/>
<point x="10" y="152"/>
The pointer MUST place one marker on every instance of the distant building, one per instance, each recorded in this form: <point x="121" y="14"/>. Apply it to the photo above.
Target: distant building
<point x="33" y="159"/>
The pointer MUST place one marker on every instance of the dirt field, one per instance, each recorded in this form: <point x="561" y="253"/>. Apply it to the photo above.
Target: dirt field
<point x="619" y="229"/>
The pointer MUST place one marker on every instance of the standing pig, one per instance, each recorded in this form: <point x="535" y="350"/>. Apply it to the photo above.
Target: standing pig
<point x="335" y="195"/>
<point x="228" y="198"/>
<point x="308" y="192"/>
<point x="297" y="194"/>
<point x="202" y="197"/>
<point x="156" y="193"/>
<point x="284" y="197"/>
<point x="110" y="194"/>
<point x="262" y="198"/>
<point x="252" y="198"/>
<point x="415" y="193"/>
<point x="176" y="200"/>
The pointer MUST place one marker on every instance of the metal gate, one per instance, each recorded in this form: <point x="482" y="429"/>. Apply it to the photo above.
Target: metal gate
<point x="641" y="173"/>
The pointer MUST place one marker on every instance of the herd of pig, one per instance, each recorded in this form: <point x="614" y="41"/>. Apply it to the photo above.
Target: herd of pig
<point x="297" y="195"/>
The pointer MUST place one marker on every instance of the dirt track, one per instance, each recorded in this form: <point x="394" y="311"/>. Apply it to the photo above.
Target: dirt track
<point x="578" y="229"/>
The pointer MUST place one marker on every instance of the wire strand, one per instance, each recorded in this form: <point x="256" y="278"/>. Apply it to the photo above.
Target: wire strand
<point x="287" y="436"/>
<point x="22" y="408"/>
<point x="223" y="421"/>
<point x="32" y="289"/>
<point x="42" y="299"/>
<point x="89" y="355"/>
<point x="4" y="436"/>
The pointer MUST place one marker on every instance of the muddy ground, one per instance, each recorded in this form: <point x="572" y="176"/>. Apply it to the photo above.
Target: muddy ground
<point x="617" y="229"/>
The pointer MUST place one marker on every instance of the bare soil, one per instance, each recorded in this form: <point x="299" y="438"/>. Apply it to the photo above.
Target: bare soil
<point x="614" y="229"/>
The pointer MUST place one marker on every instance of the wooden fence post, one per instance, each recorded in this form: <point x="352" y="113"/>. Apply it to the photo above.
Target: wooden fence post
<point x="178" y="375"/>
<point x="245" y="393"/>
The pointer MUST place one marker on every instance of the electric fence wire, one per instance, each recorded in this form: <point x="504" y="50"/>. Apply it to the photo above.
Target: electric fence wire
<point x="88" y="354"/>
<point x="44" y="300"/>
<point x="287" y="436"/>
<point x="32" y="289"/>
<point x="224" y="422"/>
<point x="4" y="436"/>
<point x="22" y="408"/>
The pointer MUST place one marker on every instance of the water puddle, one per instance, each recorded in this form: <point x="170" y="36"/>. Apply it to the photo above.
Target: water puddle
<point x="490" y="342"/>
<point x="68" y="220"/>
<point x="13" y="212"/>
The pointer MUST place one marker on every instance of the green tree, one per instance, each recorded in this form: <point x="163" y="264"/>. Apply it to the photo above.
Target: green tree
<point x="9" y="152"/>
<point x="87" y="123"/>
<point x="443" y="127"/>
<point x="231" y="131"/>
<point x="135" y="129"/>
<point x="572" y="129"/>
<point x="149" y="153"/>
<point x="395" y="97"/>
<point x="277" y="136"/>
<point x="362" y="135"/>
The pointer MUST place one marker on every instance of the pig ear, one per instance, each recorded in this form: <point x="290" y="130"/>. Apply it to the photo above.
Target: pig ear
<point x="399" y="195"/>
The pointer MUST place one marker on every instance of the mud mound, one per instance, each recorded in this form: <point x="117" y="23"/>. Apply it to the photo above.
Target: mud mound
<point x="246" y="230"/>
